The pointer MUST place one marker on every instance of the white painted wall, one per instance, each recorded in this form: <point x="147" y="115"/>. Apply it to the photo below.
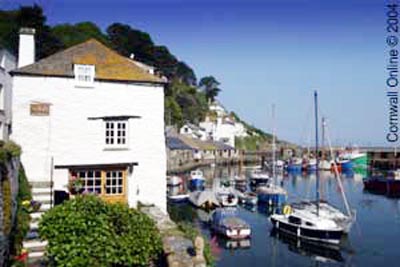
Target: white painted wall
<point x="7" y="63"/>
<point x="70" y="138"/>
<point x="26" y="54"/>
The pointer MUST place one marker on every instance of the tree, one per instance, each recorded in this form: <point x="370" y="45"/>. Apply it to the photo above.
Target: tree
<point x="74" y="34"/>
<point x="210" y="86"/>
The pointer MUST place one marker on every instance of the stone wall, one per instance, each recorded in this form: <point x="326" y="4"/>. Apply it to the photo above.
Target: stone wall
<point x="8" y="205"/>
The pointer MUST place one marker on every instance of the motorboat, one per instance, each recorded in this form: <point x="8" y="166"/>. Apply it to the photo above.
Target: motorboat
<point x="226" y="222"/>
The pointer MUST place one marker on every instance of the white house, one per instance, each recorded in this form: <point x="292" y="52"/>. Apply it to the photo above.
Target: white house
<point x="220" y="126"/>
<point x="8" y="62"/>
<point x="92" y="113"/>
<point x="193" y="131"/>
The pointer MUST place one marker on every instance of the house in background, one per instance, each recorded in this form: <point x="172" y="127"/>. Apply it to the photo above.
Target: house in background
<point x="8" y="62"/>
<point x="193" y="131"/>
<point x="220" y="126"/>
<point x="94" y="114"/>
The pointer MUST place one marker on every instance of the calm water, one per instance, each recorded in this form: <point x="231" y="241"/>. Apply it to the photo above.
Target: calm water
<point x="373" y="240"/>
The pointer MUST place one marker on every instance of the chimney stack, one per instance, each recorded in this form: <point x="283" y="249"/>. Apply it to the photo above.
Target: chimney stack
<point x="26" y="51"/>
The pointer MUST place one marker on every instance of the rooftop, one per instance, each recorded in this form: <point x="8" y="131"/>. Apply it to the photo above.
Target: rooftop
<point x="109" y="65"/>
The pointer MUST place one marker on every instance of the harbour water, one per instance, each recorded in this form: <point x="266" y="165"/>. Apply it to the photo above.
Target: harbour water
<point x="373" y="240"/>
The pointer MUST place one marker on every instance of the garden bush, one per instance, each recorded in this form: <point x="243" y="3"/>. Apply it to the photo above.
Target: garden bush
<point x="86" y="231"/>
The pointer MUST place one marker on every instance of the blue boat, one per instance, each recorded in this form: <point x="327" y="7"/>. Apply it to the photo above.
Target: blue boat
<point x="294" y="165"/>
<point x="272" y="195"/>
<point x="196" y="179"/>
<point x="346" y="164"/>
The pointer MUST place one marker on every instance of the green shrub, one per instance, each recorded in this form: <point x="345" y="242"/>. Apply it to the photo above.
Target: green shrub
<point x="86" y="231"/>
<point x="21" y="226"/>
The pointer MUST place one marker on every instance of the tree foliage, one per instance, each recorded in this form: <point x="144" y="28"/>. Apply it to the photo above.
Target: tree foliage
<point x="87" y="231"/>
<point x="210" y="86"/>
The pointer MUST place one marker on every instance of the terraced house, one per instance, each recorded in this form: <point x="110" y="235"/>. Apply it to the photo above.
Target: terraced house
<point x="91" y="113"/>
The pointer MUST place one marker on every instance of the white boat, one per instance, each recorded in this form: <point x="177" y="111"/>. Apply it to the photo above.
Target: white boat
<point x="174" y="180"/>
<point x="226" y="222"/>
<point x="227" y="198"/>
<point x="196" y="179"/>
<point x="317" y="221"/>
<point x="259" y="177"/>
<point x="204" y="199"/>
<point x="248" y="198"/>
<point x="325" y="165"/>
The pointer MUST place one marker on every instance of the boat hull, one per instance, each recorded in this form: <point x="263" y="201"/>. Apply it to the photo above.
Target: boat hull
<point x="272" y="199"/>
<point x="294" y="168"/>
<point x="346" y="165"/>
<point x="328" y="236"/>
<point x="381" y="185"/>
<point x="196" y="183"/>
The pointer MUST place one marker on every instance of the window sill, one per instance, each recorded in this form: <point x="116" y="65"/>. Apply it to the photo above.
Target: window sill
<point x="115" y="148"/>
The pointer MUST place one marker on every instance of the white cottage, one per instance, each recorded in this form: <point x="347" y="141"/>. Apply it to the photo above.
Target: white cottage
<point x="89" y="112"/>
<point x="7" y="63"/>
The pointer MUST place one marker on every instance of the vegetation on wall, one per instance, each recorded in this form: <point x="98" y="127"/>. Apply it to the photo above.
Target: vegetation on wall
<point x="21" y="225"/>
<point x="86" y="231"/>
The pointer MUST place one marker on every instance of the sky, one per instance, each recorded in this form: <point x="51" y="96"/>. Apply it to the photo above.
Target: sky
<point x="268" y="52"/>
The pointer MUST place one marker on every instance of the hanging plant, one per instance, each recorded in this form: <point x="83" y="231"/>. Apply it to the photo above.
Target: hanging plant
<point x="75" y="185"/>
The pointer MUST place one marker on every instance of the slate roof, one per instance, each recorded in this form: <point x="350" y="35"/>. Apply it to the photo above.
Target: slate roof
<point x="174" y="143"/>
<point x="109" y="65"/>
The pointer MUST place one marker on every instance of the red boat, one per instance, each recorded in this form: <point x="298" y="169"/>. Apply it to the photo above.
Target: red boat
<point x="386" y="185"/>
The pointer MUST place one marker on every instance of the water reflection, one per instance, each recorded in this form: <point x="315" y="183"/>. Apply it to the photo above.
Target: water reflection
<point x="317" y="251"/>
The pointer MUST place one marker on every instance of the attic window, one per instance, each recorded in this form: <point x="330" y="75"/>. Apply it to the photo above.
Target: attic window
<point x="84" y="75"/>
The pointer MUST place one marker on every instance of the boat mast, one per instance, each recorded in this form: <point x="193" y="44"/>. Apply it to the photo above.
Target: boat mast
<point x="316" y="147"/>
<point x="273" y="144"/>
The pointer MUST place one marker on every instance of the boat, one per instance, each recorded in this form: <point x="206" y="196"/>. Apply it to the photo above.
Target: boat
<point x="259" y="177"/>
<point x="178" y="198"/>
<point x="226" y="223"/>
<point x="294" y="165"/>
<point x="248" y="198"/>
<point x="384" y="184"/>
<point x="312" y="165"/>
<point x="344" y="163"/>
<point x="204" y="199"/>
<point x="196" y="179"/>
<point x="177" y="194"/>
<point x="315" y="221"/>
<point x="227" y="198"/>
<point x="174" y="180"/>
<point x="325" y="165"/>
<point x="321" y="253"/>
<point x="271" y="194"/>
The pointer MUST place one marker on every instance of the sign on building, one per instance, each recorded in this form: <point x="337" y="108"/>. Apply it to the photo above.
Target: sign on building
<point x="40" y="109"/>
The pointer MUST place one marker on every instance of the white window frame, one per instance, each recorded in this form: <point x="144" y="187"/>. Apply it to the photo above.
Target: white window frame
<point x="84" y="75"/>
<point x="116" y="134"/>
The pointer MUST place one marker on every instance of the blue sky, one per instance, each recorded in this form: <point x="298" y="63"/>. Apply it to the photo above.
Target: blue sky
<point x="271" y="51"/>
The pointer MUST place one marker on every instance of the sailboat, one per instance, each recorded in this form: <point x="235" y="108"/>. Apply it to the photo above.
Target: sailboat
<point x="272" y="193"/>
<point x="315" y="221"/>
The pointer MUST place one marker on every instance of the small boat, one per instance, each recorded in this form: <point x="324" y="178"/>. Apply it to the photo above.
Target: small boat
<point x="226" y="223"/>
<point x="308" y="225"/>
<point x="204" y="199"/>
<point x="196" y="179"/>
<point x="259" y="177"/>
<point x="294" y="165"/>
<point x="272" y="194"/>
<point x="174" y="180"/>
<point x="312" y="165"/>
<point x="325" y="165"/>
<point x="345" y="163"/>
<point x="248" y="198"/>
<point x="227" y="199"/>
<point x="178" y="198"/>
<point x="386" y="185"/>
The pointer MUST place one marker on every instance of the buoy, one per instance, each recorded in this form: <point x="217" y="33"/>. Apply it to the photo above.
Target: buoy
<point x="287" y="210"/>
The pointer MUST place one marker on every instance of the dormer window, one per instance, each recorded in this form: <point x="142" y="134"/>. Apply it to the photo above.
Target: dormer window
<point x="84" y="75"/>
